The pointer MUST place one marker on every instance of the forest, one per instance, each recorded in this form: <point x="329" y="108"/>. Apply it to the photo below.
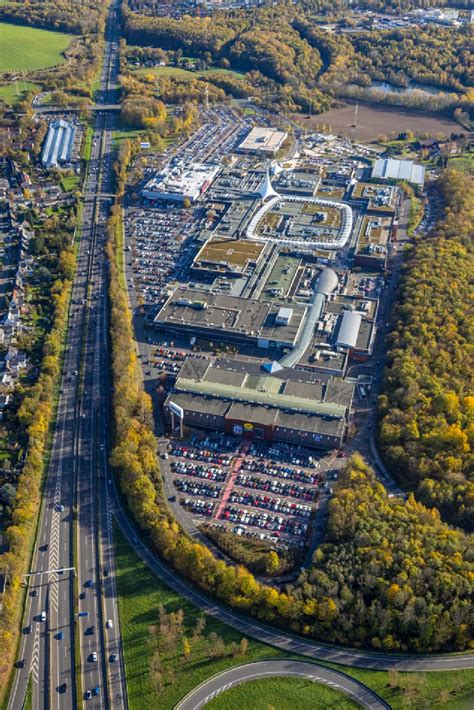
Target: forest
<point x="86" y="17"/>
<point x="426" y="410"/>
<point x="436" y="56"/>
<point x="391" y="576"/>
<point x="306" y="66"/>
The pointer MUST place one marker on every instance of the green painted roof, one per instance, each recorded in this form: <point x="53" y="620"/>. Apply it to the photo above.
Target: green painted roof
<point x="271" y="399"/>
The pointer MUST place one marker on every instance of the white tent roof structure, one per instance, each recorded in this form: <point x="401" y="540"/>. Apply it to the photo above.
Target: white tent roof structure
<point x="266" y="188"/>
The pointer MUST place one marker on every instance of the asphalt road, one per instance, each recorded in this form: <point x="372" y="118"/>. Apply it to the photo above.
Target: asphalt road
<point x="208" y="690"/>
<point x="363" y="442"/>
<point x="76" y="480"/>
<point x="278" y="637"/>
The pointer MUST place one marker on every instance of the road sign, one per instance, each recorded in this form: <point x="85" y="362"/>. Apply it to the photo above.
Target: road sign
<point x="179" y="411"/>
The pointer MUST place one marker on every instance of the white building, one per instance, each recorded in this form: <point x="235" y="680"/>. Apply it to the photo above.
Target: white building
<point x="263" y="141"/>
<point x="391" y="169"/>
<point x="58" y="145"/>
<point x="180" y="182"/>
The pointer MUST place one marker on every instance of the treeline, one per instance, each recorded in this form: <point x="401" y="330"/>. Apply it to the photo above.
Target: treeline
<point x="390" y="576"/>
<point x="417" y="99"/>
<point x="426" y="410"/>
<point x="259" y="557"/>
<point x="436" y="55"/>
<point x="394" y="576"/>
<point x="35" y="417"/>
<point x="86" y="17"/>
<point x="263" y="41"/>
<point x="398" y="6"/>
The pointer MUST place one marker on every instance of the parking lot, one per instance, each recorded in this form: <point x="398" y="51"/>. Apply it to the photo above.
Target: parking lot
<point x="157" y="239"/>
<point x="265" y="492"/>
<point x="160" y="235"/>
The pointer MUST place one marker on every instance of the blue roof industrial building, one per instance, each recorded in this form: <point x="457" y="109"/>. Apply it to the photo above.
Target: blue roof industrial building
<point x="58" y="145"/>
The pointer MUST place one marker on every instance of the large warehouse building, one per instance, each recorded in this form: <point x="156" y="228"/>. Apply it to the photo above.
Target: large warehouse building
<point x="58" y="145"/>
<point x="391" y="169"/>
<point x="263" y="141"/>
<point x="215" y="316"/>
<point x="240" y="399"/>
<point x="180" y="182"/>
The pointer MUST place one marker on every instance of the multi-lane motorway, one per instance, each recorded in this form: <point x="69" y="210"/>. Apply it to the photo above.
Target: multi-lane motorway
<point x="71" y="635"/>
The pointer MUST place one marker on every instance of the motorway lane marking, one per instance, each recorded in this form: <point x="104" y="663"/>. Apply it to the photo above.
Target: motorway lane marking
<point x="35" y="657"/>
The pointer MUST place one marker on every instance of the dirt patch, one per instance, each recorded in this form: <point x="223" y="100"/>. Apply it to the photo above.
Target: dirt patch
<point x="375" y="121"/>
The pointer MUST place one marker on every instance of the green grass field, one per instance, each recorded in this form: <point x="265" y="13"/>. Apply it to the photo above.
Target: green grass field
<point x="283" y="694"/>
<point x="11" y="93"/>
<point x="70" y="182"/>
<point x="124" y="134"/>
<point x="463" y="163"/>
<point x="140" y="595"/>
<point x="178" y="73"/>
<point x="28" y="49"/>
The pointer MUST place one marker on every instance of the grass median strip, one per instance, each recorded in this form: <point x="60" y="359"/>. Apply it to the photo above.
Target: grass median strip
<point x="161" y="668"/>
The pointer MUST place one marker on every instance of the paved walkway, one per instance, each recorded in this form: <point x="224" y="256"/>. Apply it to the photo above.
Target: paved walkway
<point x="232" y="476"/>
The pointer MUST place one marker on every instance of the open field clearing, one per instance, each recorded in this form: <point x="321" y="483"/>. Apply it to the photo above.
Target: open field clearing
<point x="178" y="73"/>
<point x="28" y="49"/>
<point x="16" y="91"/>
<point x="375" y="121"/>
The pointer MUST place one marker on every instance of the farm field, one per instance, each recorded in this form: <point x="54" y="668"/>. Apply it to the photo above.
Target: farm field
<point x="374" y="121"/>
<point x="28" y="49"/>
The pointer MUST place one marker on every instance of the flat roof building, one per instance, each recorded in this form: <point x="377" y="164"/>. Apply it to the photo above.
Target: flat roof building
<point x="302" y="411"/>
<point x="58" y="144"/>
<point x="180" y="182"/>
<point x="216" y="316"/>
<point x="263" y="141"/>
<point x="391" y="169"/>
<point x="227" y="257"/>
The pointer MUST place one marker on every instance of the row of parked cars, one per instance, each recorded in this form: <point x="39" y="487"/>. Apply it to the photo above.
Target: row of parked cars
<point x="197" y="488"/>
<point x="198" y="454"/>
<point x="283" y="453"/>
<point x="212" y="473"/>
<point x="280" y="505"/>
<point x="199" y="506"/>
<point x="280" y="471"/>
<point x="277" y="524"/>
<point x="275" y="486"/>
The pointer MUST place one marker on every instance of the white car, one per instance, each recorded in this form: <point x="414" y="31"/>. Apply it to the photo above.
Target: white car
<point x="94" y="656"/>
<point x="43" y="616"/>
<point x="109" y="624"/>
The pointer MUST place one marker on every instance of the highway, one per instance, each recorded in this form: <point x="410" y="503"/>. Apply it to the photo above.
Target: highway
<point x="221" y="682"/>
<point x="80" y="498"/>
<point x="279" y="637"/>
<point x="75" y="509"/>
